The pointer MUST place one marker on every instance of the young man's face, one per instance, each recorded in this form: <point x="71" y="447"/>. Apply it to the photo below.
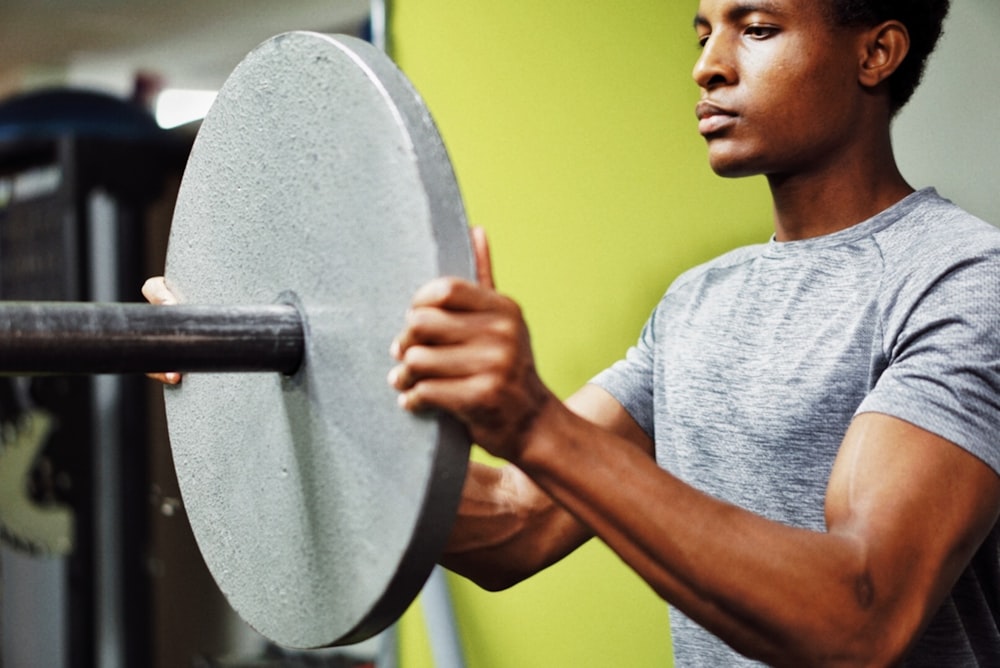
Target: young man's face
<point x="779" y="86"/>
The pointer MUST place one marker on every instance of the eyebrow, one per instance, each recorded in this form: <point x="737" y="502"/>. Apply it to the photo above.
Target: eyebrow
<point x="739" y="11"/>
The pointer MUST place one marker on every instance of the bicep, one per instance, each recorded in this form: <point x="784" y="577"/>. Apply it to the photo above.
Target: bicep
<point x="917" y="505"/>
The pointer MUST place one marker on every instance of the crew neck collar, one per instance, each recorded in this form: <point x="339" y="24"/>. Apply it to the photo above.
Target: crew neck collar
<point x="861" y="230"/>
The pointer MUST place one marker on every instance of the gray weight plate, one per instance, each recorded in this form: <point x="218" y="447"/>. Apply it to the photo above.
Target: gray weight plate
<point x="318" y="179"/>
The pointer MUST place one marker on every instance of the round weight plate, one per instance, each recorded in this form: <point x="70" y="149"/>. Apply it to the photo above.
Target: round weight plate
<point x="317" y="179"/>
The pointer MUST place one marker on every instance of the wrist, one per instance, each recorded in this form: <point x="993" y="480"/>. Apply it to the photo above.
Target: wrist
<point x="540" y="434"/>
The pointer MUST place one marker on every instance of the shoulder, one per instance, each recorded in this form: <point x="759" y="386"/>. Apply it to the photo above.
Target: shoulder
<point x="933" y="231"/>
<point x="939" y="325"/>
<point x="936" y="247"/>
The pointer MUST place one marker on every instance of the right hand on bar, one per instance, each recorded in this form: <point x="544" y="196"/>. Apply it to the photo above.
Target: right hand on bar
<point x="155" y="291"/>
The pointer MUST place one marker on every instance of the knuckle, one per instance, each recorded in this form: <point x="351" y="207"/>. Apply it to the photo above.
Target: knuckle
<point x="508" y="329"/>
<point x="450" y="287"/>
<point x="492" y="390"/>
<point x="418" y="323"/>
<point x="512" y="308"/>
<point x="438" y="291"/>
<point x="415" y="398"/>
<point x="415" y="359"/>
<point x="428" y="321"/>
<point x="493" y="361"/>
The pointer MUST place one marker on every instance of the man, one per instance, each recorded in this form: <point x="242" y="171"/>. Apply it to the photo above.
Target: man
<point x="800" y="453"/>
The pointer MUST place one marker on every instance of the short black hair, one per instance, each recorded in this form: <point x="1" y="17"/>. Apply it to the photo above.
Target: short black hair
<point x="923" y="20"/>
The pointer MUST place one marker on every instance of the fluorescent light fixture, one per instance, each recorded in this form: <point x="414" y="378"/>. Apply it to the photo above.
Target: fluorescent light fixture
<point x="177" y="106"/>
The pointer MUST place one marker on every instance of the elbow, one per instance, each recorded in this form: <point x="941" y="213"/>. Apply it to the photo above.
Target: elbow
<point x="873" y="639"/>
<point x="880" y="644"/>
<point x="494" y="583"/>
<point x="869" y="654"/>
<point x="835" y="649"/>
<point x="864" y="652"/>
<point x="876" y="632"/>
<point x="490" y="577"/>
<point x="495" y="580"/>
<point x="862" y="630"/>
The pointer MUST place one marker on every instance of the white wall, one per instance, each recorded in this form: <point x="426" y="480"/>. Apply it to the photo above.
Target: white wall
<point x="949" y="134"/>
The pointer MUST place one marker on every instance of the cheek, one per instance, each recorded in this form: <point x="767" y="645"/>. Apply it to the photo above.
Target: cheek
<point x="796" y="77"/>
<point x="796" y="104"/>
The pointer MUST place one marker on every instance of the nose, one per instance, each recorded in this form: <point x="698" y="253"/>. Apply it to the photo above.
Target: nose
<point x="714" y="68"/>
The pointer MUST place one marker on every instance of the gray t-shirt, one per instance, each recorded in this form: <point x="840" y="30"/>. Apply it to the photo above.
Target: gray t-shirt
<point x="751" y="367"/>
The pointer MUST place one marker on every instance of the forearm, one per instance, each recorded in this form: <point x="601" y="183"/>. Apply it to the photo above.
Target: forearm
<point x="507" y="529"/>
<point x="771" y="591"/>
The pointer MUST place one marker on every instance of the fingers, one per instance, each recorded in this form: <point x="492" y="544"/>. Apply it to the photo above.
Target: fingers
<point x="484" y="264"/>
<point x="441" y="350"/>
<point x="465" y="349"/>
<point x="167" y="377"/>
<point x="447" y="362"/>
<point x="454" y="294"/>
<point x="467" y="312"/>
<point x="450" y="353"/>
<point x="155" y="291"/>
<point x="453" y="393"/>
<point x="457" y="294"/>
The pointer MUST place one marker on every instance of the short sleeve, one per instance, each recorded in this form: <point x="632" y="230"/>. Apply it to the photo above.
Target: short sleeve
<point x="631" y="380"/>
<point x="941" y="346"/>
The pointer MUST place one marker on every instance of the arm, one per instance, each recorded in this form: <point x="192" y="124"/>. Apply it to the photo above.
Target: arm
<point x="507" y="528"/>
<point x="905" y="509"/>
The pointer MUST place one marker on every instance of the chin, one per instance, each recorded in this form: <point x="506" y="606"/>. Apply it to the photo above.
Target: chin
<point x="731" y="159"/>
<point x="731" y="164"/>
<point x="733" y="170"/>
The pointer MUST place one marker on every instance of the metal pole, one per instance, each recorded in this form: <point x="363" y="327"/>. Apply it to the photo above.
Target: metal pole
<point x="84" y="338"/>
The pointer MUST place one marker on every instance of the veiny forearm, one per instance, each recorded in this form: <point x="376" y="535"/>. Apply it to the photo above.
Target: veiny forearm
<point x="507" y="529"/>
<point x="784" y="595"/>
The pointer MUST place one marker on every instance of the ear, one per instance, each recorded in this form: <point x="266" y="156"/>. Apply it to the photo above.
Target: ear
<point x="884" y="48"/>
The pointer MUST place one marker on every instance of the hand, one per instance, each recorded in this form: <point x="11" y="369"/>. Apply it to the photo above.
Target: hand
<point x="155" y="291"/>
<point x="465" y="349"/>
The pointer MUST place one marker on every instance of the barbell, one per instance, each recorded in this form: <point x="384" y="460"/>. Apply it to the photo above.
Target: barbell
<point x="317" y="198"/>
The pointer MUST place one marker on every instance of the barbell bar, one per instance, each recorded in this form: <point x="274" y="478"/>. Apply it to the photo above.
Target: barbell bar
<point x="92" y="338"/>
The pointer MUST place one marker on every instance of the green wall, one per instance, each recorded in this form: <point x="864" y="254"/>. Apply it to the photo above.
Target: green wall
<point x="571" y="127"/>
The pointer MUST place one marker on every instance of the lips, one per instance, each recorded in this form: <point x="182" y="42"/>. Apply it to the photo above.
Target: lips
<point x="713" y="118"/>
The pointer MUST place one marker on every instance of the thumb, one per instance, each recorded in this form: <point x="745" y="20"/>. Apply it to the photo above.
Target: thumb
<point x="481" y="250"/>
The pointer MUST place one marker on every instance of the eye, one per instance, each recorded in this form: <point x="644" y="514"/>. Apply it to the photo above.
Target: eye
<point x="703" y="40"/>
<point x="759" y="32"/>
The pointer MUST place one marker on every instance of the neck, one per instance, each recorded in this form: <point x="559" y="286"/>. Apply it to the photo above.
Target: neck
<point x="849" y="190"/>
